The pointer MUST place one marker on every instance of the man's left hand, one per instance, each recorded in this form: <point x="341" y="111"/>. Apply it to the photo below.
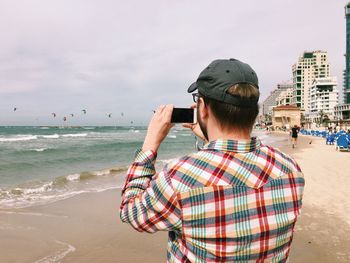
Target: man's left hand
<point x="158" y="128"/>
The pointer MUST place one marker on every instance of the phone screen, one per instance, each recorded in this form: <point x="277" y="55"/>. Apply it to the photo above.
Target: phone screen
<point x="183" y="115"/>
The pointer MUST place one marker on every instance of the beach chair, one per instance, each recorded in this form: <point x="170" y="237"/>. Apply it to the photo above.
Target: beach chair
<point x="342" y="143"/>
<point x="330" y="138"/>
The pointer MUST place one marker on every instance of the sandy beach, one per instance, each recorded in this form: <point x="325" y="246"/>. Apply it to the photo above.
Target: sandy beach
<point x="87" y="228"/>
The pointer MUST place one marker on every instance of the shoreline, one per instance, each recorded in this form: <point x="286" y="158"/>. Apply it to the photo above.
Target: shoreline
<point x="87" y="228"/>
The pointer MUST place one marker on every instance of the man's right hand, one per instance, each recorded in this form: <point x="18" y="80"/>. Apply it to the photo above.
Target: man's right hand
<point x="195" y="127"/>
<point x="158" y="128"/>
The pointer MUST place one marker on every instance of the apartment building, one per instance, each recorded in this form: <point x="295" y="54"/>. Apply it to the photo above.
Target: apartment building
<point x="310" y="65"/>
<point x="323" y="97"/>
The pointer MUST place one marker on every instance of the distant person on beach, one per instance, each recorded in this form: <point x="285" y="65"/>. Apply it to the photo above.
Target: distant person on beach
<point x="294" y="133"/>
<point x="235" y="200"/>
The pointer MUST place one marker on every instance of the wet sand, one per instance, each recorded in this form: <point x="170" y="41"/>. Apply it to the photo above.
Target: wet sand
<point x="87" y="228"/>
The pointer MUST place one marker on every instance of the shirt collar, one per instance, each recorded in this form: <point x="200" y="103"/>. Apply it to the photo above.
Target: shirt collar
<point x="239" y="146"/>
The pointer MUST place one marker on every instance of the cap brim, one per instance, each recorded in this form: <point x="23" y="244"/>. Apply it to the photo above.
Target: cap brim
<point x="192" y="88"/>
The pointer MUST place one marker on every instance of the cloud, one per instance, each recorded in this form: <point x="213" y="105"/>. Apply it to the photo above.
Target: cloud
<point x="112" y="56"/>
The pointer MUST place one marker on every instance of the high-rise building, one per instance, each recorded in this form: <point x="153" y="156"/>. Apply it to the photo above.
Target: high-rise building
<point x="347" y="57"/>
<point x="270" y="101"/>
<point x="342" y="111"/>
<point x="310" y="65"/>
<point x="323" y="97"/>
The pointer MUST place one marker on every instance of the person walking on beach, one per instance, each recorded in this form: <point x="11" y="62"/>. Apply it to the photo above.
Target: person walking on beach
<point x="294" y="133"/>
<point x="235" y="200"/>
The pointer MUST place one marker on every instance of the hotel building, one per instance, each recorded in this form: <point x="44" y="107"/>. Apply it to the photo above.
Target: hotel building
<point x="342" y="111"/>
<point x="310" y="65"/>
<point x="323" y="97"/>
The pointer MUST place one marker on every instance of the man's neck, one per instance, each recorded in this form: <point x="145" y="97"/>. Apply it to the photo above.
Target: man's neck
<point x="229" y="136"/>
<point x="214" y="133"/>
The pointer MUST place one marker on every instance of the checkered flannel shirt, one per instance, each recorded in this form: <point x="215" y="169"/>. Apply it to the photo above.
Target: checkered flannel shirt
<point x="233" y="201"/>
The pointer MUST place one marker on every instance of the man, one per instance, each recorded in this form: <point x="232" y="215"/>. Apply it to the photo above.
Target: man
<point x="294" y="133"/>
<point x="236" y="200"/>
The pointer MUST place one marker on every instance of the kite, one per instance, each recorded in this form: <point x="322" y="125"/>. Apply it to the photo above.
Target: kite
<point x="109" y="115"/>
<point x="54" y="114"/>
<point x="84" y="111"/>
<point x="14" y="109"/>
<point x="122" y="114"/>
<point x="72" y="114"/>
<point x="64" y="118"/>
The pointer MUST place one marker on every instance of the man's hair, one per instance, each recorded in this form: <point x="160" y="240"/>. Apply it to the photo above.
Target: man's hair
<point x="233" y="117"/>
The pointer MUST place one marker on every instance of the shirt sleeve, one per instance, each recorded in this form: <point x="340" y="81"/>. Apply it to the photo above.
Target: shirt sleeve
<point x="149" y="202"/>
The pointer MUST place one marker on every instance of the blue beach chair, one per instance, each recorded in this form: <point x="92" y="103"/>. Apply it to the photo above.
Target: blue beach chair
<point x="343" y="143"/>
<point x="330" y="138"/>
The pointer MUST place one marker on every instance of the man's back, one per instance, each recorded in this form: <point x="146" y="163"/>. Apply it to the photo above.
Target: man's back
<point x="235" y="201"/>
<point x="295" y="131"/>
<point x="239" y="202"/>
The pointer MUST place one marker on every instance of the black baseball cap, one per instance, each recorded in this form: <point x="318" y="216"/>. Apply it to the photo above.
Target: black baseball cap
<point x="221" y="74"/>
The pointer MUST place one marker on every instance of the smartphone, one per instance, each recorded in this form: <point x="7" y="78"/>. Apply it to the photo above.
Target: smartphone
<point x="184" y="115"/>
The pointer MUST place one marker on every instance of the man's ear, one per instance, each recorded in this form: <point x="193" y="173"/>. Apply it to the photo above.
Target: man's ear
<point x="203" y="109"/>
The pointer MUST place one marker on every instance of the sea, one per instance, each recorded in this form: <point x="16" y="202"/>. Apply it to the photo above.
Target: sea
<point x="40" y="164"/>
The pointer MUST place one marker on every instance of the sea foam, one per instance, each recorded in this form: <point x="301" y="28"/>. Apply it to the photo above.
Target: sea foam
<point x="74" y="135"/>
<point x="58" y="255"/>
<point x="51" y="136"/>
<point x="19" y="138"/>
<point x="60" y="188"/>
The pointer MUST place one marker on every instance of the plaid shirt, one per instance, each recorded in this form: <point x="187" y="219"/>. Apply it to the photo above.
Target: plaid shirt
<point x="233" y="201"/>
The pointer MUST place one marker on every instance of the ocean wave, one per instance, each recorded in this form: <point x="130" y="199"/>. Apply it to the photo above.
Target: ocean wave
<point x="60" y="188"/>
<point x="46" y="187"/>
<point x="50" y="136"/>
<point x="39" y="149"/>
<point x="75" y="135"/>
<point x="9" y="200"/>
<point x="86" y="175"/>
<point x="73" y="177"/>
<point x="58" y="255"/>
<point x="39" y="136"/>
<point x="19" y="138"/>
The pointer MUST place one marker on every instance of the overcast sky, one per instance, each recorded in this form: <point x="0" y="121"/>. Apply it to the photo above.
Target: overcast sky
<point x="109" y="56"/>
